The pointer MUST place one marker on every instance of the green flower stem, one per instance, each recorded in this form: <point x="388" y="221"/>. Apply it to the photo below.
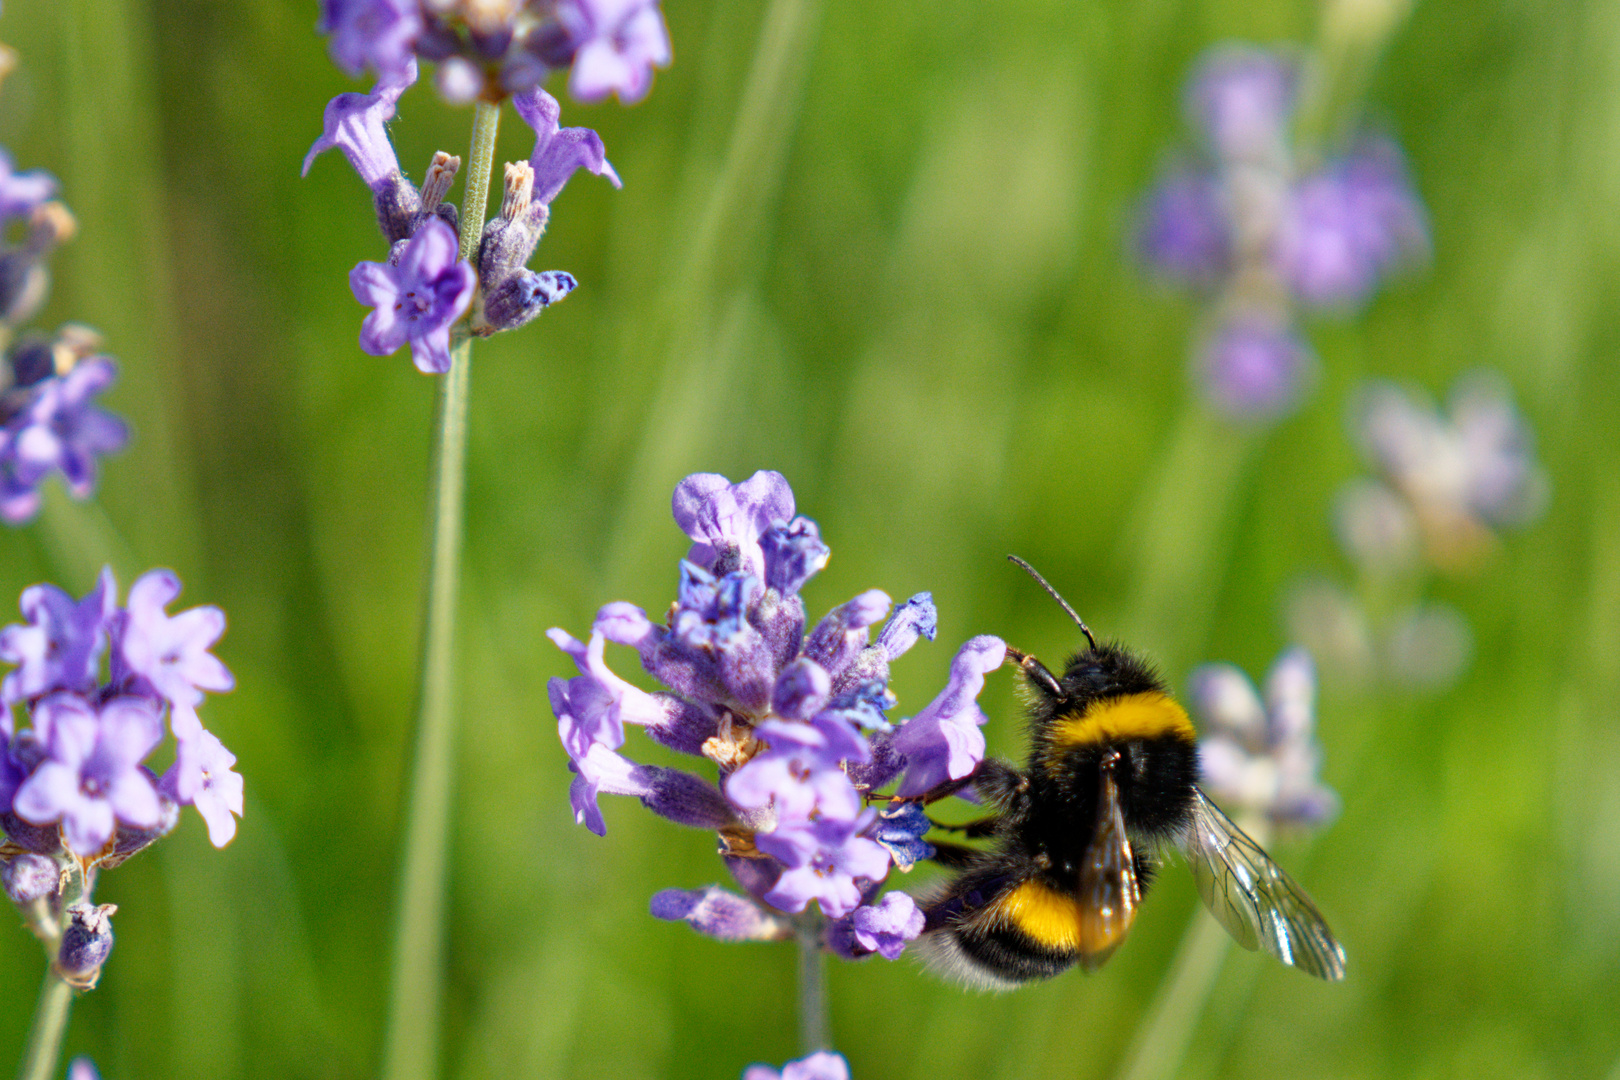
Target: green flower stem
<point x="1162" y="1038"/>
<point x="812" y="986"/>
<point x="50" y="1022"/>
<point x="411" y="1051"/>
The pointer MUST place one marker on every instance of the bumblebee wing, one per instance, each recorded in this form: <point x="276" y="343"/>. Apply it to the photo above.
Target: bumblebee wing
<point x="1109" y="891"/>
<point x="1250" y="895"/>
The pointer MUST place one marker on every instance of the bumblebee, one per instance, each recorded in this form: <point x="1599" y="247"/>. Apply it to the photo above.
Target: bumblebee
<point x="1112" y="779"/>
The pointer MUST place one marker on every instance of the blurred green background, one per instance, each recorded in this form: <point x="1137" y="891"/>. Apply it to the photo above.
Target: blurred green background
<point x="879" y="247"/>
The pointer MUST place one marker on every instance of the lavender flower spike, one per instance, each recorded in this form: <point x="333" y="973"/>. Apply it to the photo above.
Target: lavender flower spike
<point x="943" y="742"/>
<point x="558" y="151"/>
<point x="417" y="296"/>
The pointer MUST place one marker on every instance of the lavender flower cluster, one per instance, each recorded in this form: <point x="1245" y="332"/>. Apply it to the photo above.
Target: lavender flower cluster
<point x="74" y="780"/>
<point x="1263" y="235"/>
<point x="47" y="422"/>
<point x="492" y="48"/>
<point x="1449" y="483"/>
<point x="423" y="288"/>
<point x="795" y="723"/>
<point x="76" y="796"/>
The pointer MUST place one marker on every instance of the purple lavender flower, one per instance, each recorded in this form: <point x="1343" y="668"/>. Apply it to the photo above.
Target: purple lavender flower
<point x="1184" y="233"/>
<point x="29" y="877"/>
<point x="91" y="775"/>
<point x="1254" y="367"/>
<point x="1350" y="225"/>
<point x="558" y="151"/>
<point x="1241" y="98"/>
<point x="378" y="34"/>
<point x="784" y="714"/>
<point x="722" y="915"/>
<point x="355" y="124"/>
<point x="614" y="44"/>
<point x="822" y="1065"/>
<point x="417" y="294"/>
<point x="57" y="428"/>
<point x="883" y="928"/>
<point x="943" y="742"/>
<point x="169" y="653"/>
<point x="22" y="193"/>
<point x="1264" y="757"/>
<point x="60" y="648"/>
<point x="201" y="776"/>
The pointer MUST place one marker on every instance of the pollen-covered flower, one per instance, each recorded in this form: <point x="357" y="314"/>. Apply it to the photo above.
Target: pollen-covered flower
<point x="793" y="721"/>
<point x="1262" y="755"/>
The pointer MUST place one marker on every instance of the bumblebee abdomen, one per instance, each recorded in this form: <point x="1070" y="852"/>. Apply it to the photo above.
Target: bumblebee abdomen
<point x="1010" y="936"/>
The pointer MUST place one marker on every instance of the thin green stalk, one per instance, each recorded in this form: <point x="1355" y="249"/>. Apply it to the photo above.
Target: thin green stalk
<point x="50" y="1022"/>
<point x="812" y="988"/>
<point x="411" y="1051"/>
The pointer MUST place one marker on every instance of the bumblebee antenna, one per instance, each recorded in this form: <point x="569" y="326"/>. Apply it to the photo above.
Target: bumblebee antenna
<point x="1064" y="604"/>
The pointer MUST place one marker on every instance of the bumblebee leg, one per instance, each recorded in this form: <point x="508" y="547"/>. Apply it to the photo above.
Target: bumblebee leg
<point x="973" y="830"/>
<point x="1037" y="674"/>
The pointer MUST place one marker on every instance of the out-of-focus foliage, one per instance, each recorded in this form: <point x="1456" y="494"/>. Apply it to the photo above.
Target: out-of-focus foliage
<point x="881" y="248"/>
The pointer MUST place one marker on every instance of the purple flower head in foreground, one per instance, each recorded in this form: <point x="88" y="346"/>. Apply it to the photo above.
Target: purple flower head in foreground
<point x="79" y="768"/>
<point x="822" y="1065"/>
<point x="1463" y="475"/>
<point x="51" y="426"/>
<point x="22" y="193"/>
<point x="615" y="44"/>
<point x="379" y="34"/>
<point x="1259" y="755"/>
<point x="1241" y="98"/>
<point x="792" y="719"/>
<point x="417" y="294"/>
<point x="1254" y="366"/>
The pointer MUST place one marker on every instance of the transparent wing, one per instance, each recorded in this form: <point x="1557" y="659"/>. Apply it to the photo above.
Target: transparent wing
<point x="1109" y="892"/>
<point x="1259" y="905"/>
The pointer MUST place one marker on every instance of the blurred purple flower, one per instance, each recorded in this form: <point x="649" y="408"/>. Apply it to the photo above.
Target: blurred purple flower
<point x="417" y="295"/>
<point x="91" y="774"/>
<point x="1263" y="757"/>
<point x="822" y="1065"/>
<point x="379" y="34"/>
<point x="60" y="647"/>
<point x="614" y="44"/>
<point x="1254" y="367"/>
<point x="1184" y="233"/>
<point x="22" y="193"/>
<point x="201" y="776"/>
<point x="1350" y="225"/>
<point x="57" y="428"/>
<point x="1241" y="98"/>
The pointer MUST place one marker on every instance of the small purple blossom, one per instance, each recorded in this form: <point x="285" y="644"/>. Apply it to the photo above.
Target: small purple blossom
<point x="615" y="45"/>
<point x="822" y="1065"/>
<point x="170" y="652"/>
<point x="56" y="428"/>
<point x="91" y="777"/>
<point x="943" y="742"/>
<point x="417" y="295"/>
<point x="60" y="648"/>
<point x="356" y="124"/>
<point x="378" y="34"/>
<point x="559" y="151"/>
<point x="1254" y="367"/>
<point x="201" y="776"/>
<point x="1241" y="99"/>
<point x="1263" y="756"/>
<point x="822" y="860"/>
<point x="22" y="193"/>
<point x="1184" y="233"/>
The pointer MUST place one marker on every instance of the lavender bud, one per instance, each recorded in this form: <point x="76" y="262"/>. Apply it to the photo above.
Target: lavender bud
<point x="86" y="942"/>
<point x="40" y="839"/>
<point x="29" y="877"/>
<point x="684" y="798"/>
<point x="32" y="361"/>
<point x="719" y="914"/>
